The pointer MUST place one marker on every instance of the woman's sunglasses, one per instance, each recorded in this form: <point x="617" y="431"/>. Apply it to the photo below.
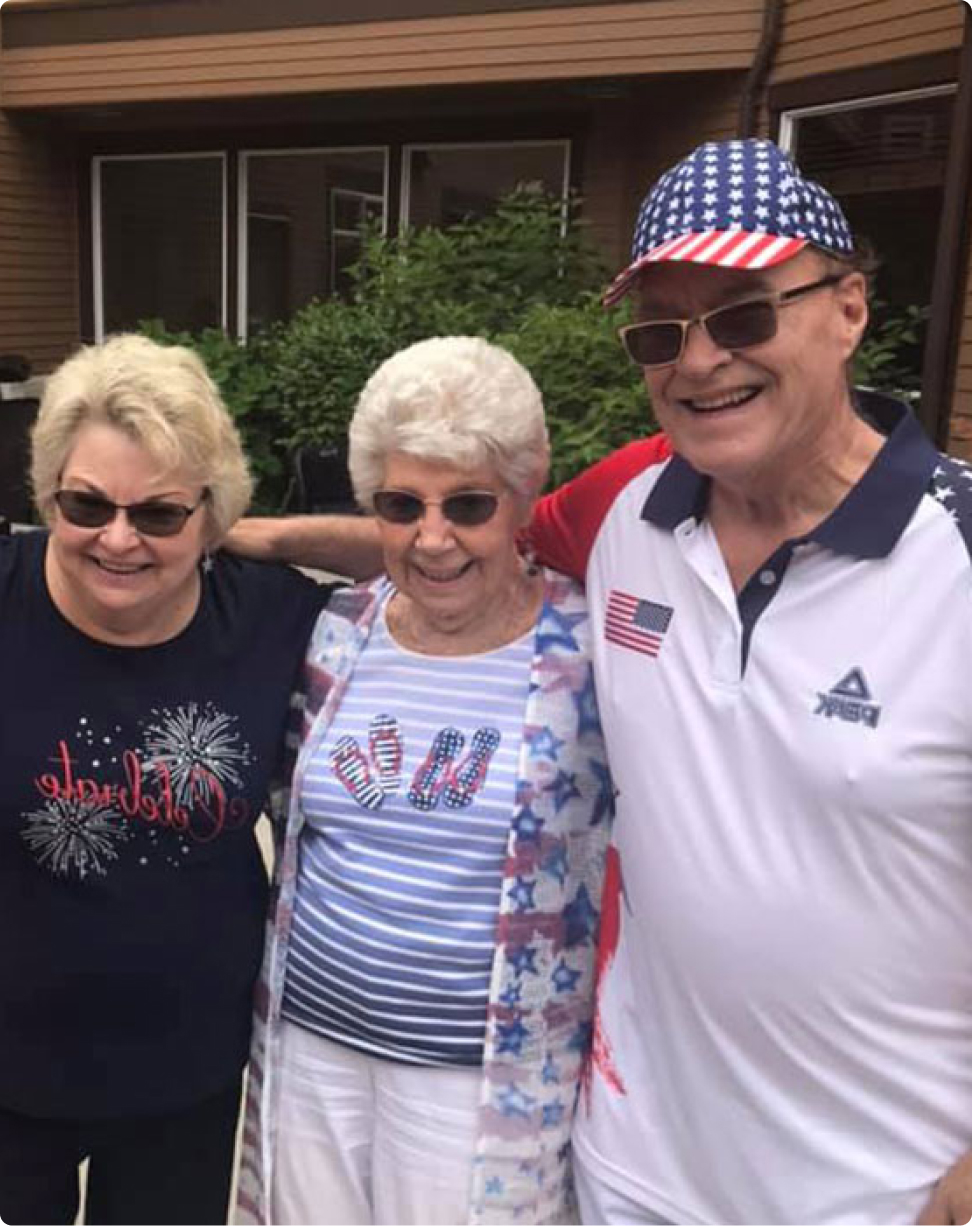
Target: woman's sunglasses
<point x="156" y="518"/>
<point x="738" y="326"/>
<point x="468" y="509"/>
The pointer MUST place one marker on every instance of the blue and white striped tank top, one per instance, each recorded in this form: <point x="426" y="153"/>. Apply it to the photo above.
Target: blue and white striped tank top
<point x="408" y="803"/>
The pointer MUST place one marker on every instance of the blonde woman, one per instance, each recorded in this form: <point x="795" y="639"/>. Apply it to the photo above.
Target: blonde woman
<point x="147" y="682"/>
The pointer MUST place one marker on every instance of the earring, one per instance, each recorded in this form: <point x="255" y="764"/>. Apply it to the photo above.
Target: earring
<point x="207" y="561"/>
<point x="530" y="565"/>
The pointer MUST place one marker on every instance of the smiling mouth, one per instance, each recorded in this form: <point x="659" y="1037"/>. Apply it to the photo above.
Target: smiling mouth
<point x="444" y="576"/>
<point x="720" y="403"/>
<point x="116" y="568"/>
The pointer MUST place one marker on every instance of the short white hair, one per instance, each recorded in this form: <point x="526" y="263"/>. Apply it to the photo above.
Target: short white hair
<point x="451" y="400"/>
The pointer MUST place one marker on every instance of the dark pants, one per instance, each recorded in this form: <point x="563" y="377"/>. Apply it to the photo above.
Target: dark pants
<point x="145" y="1170"/>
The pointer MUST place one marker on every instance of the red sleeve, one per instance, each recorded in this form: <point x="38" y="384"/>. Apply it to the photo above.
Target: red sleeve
<point x="565" y="523"/>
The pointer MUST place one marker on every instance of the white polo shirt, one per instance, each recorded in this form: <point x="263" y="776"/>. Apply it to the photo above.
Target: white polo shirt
<point x="785" y="1015"/>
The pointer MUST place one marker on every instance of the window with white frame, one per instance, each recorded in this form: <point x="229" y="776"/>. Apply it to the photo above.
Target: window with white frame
<point x="884" y="158"/>
<point x="301" y="217"/>
<point x="444" y="183"/>
<point x="159" y="241"/>
<point x="351" y="213"/>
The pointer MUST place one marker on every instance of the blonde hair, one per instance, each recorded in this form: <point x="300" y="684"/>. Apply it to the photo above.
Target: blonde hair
<point x="163" y="399"/>
<point x="453" y="400"/>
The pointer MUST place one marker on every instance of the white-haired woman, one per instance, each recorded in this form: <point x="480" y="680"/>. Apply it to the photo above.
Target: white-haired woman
<point x="428" y="975"/>
<point x="147" y="683"/>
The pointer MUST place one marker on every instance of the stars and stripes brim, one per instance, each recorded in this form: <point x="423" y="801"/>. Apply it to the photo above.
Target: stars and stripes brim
<point x="743" y="249"/>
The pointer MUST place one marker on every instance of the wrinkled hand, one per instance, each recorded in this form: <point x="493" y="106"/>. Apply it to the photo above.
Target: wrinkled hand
<point x="950" y="1203"/>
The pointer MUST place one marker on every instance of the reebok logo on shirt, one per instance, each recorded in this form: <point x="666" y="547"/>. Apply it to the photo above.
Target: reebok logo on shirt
<point x="849" y="700"/>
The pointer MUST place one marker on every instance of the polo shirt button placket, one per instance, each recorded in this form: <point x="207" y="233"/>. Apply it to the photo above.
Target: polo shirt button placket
<point x="724" y="636"/>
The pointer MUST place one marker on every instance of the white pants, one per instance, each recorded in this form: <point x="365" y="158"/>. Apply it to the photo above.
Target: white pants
<point x="362" y="1140"/>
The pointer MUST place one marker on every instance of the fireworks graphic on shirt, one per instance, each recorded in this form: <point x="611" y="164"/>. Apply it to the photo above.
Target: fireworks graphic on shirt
<point x="75" y="837"/>
<point x="198" y="747"/>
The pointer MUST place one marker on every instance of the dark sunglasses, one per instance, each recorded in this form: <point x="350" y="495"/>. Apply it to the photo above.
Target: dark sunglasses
<point x="468" y="509"/>
<point x="87" y="510"/>
<point x="660" y="342"/>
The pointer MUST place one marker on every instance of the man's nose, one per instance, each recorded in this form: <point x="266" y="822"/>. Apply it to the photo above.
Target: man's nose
<point x="700" y="353"/>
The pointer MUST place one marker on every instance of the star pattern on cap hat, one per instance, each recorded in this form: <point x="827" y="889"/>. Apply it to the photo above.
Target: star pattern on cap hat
<point x="738" y="187"/>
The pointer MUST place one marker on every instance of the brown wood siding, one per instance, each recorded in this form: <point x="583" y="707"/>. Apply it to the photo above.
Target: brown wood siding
<point x="38" y="248"/>
<point x="29" y="23"/>
<point x="669" y="36"/>
<point x="630" y="141"/>
<point x="821" y="36"/>
<point x="960" y="432"/>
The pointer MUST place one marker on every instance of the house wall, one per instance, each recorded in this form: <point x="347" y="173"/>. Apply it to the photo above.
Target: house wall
<point x="820" y="36"/>
<point x="824" y="37"/>
<point x="960" y="433"/>
<point x="38" y="246"/>
<point x="630" y="141"/>
<point x="578" y="42"/>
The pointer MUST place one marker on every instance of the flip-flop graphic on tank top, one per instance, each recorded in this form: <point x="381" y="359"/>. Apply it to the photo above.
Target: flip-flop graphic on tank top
<point x="351" y="767"/>
<point x="385" y="747"/>
<point x="431" y="777"/>
<point x="468" y="777"/>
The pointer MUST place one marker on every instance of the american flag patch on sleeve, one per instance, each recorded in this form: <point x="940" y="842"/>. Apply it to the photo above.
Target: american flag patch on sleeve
<point x="640" y="625"/>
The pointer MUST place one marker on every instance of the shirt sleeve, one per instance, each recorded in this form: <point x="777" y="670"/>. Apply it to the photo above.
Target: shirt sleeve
<point x="566" y="522"/>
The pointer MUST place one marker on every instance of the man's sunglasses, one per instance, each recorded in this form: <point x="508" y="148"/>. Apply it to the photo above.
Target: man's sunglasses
<point x="660" y="342"/>
<point x="468" y="509"/>
<point x="153" y="518"/>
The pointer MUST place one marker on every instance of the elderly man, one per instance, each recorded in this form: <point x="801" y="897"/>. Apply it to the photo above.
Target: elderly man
<point x="783" y="587"/>
<point x="785" y="1016"/>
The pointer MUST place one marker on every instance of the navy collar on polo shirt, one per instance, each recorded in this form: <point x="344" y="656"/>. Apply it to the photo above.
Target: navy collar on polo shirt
<point x="868" y="522"/>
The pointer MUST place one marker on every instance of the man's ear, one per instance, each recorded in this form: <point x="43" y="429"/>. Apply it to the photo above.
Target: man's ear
<point x="851" y="297"/>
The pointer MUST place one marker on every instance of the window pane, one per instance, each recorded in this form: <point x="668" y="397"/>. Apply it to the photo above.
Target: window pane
<point x="162" y="241"/>
<point x="886" y="165"/>
<point x="446" y="184"/>
<point x="304" y="217"/>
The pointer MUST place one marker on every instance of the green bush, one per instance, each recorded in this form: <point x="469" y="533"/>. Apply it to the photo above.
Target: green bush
<point x="595" y="398"/>
<point x="890" y="356"/>
<point x="520" y="277"/>
<point x="479" y="276"/>
<point x="246" y="377"/>
<point x="323" y="358"/>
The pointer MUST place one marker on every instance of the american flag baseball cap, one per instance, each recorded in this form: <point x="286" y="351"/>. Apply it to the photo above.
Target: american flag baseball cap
<point x="733" y="204"/>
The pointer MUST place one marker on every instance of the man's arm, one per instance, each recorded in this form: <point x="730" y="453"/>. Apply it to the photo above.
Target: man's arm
<point x="561" y="532"/>
<point x="343" y="544"/>
<point x="565" y="523"/>
<point x="951" y="1200"/>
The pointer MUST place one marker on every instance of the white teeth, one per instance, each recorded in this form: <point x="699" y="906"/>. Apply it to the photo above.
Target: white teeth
<point x="726" y="401"/>
<point x="118" y="570"/>
<point x="442" y="576"/>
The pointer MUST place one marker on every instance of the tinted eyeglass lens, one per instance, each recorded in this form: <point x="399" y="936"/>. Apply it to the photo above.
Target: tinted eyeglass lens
<point x="653" y="344"/>
<point x="84" y="510"/>
<point x="466" y="510"/>
<point x="398" y="507"/>
<point x="469" y="510"/>
<point x="92" y="511"/>
<point x="738" y="327"/>
<point x="158" y="518"/>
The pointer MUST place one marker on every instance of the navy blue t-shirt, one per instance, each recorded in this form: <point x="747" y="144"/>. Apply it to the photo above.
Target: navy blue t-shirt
<point x="132" y="890"/>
